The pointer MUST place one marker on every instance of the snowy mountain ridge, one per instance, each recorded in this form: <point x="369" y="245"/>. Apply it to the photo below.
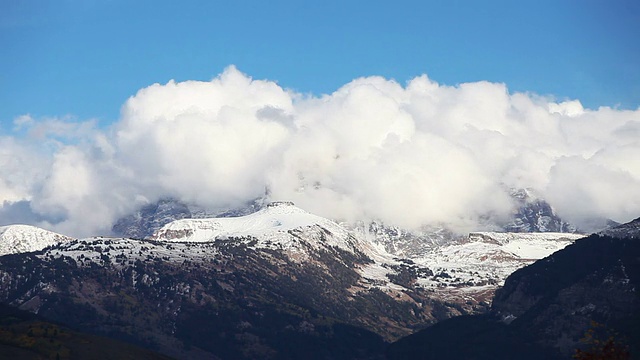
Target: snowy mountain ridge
<point x="16" y="239"/>
<point x="531" y="213"/>
<point x="458" y="269"/>
<point x="490" y="257"/>
<point x="479" y="259"/>
<point x="276" y="225"/>
<point x="469" y="268"/>
<point x="477" y="263"/>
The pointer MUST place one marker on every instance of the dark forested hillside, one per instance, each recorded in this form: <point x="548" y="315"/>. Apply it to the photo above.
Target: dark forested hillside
<point x="25" y="336"/>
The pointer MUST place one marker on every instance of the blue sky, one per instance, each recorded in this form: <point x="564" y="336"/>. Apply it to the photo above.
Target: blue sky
<point x="85" y="58"/>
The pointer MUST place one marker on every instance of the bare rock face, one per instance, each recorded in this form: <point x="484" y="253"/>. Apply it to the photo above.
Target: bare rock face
<point x="535" y="215"/>
<point x="630" y="230"/>
<point x="150" y="218"/>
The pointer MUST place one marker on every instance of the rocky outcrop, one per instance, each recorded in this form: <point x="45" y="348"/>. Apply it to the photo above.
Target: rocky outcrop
<point x="533" y="214"/>
<point x="630" y="230"/>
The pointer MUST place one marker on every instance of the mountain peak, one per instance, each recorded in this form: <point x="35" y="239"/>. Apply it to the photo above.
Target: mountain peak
<point x="27" y="238"/>
<point x="276" y="217"/>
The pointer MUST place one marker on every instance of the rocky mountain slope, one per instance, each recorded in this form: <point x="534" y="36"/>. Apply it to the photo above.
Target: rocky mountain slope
<point x="230" y="294"/>
<point x="545" y="308"/>
<point x="464" y="271"/>
<point x="630" y="230"/>
<point x="252" y="281"/>
<point x="25" y="238"/>
<point x="205" y="300"/>
<point x="596" y="279"/>
<point x="533" y="214"/>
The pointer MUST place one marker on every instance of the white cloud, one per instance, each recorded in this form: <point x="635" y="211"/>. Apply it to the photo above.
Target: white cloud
<point x="208" y="142"/>
<point x="22" y="120"/>
<point x="408" y="155"/>
<point x="22" y="168"/>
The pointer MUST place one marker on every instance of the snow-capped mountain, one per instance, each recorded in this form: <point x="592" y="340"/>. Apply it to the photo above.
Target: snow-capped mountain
<point x="455" y="268"/>
<point x="25" y="238"/>
<point x="276" y="271"/>
<point x="277" y="226"/>
<point x="143" y="223"/>
<point x="438" y="259"/>
<point x="398" y="260"/>
<point x="533" y="214"/>
<point x="246" y="282"/>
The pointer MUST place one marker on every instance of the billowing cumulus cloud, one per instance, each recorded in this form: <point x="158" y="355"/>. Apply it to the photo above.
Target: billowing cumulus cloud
<point x="409" y="155"/>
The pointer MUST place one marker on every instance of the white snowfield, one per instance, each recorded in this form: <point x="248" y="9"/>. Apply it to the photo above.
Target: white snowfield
<point x="15" y="239"/>
<point x="490" y="257"/>
<point x="526" y="246"/>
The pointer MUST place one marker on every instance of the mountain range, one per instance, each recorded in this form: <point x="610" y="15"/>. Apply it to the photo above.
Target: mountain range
<point x="274" y="281"/>
<point x="530" y="214"/>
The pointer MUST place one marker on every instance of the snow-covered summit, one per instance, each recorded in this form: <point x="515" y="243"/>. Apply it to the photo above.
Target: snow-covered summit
<point x="25" y="238"/>
<point x="270" y="225"/>
<point x="276" y="217"/>
<point x="526" y="245"/>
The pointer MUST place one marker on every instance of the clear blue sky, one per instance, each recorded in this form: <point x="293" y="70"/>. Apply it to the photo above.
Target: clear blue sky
<point x="86" y="57"/>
